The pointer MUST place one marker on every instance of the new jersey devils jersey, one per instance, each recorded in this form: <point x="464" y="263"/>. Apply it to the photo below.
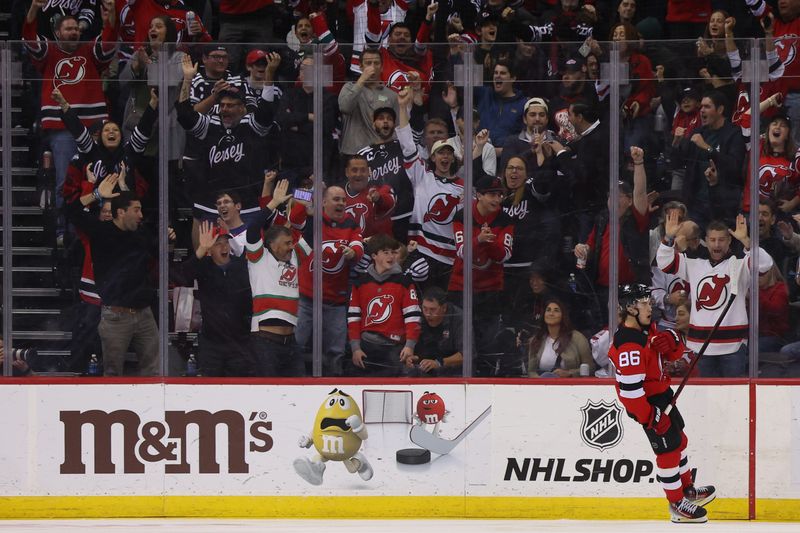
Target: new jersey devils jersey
<point x="389" y="307"/>
<point x="233" y="157"/>
<point x="777" y="178"/>
<point x="638" y="369"/>
<point x="386" y="166"/>
<point x="487" y="257"/>
<point x="664" y="285"/>
<point x="372" y="217"/>
<point x="335" y="267"/>
<point x="710" y="288"/>
<point x="436" y="202"/>
<point x="787" y="38"/>
<point x="76" y="74"/>
<point x="274" y="283"/>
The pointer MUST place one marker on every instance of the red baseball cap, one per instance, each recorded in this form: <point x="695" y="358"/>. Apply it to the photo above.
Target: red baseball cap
<point x="255" y="55"/>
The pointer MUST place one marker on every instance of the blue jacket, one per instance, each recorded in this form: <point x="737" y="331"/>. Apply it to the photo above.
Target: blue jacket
<point x="501" y="116"/>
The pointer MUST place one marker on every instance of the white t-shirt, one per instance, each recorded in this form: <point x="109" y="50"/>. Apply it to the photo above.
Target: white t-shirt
<point x="549" y="355"/>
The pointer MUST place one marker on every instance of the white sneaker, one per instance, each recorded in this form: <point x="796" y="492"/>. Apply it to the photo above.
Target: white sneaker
<point x="309" y="470"/>
<point x="685" y="511"/>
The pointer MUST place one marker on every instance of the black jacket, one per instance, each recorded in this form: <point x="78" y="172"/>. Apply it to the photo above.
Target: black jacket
<point x="226" y="301"/>
<point x="728" y="153"/>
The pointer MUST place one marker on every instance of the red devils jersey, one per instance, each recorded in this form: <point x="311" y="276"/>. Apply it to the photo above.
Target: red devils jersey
<point x="389" y="308"/>
<point x="687" y="121"/>
<point x="335" y="268"/>
<point x="487" y="257"/>
<point x="777" y="178"/>
<point x="393" y="70"/>
<point x="786" y="42"/>
<point x="76" y="74"/>
<point x="639" y="371"/>
<point x="75" y="186"/>
<point x="372" y="217"/>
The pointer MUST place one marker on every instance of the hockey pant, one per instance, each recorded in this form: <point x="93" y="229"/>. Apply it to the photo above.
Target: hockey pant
<point x="672" y="461"/>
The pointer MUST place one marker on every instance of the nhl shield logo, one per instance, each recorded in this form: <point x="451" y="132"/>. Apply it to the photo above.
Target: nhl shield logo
<point x="601" y="427"/>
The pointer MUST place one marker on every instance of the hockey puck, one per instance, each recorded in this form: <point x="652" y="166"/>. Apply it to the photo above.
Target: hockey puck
<point x="413" y="456"/>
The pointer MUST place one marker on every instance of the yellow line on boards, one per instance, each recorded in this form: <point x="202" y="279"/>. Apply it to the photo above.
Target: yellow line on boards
<point x="20" y="507"/>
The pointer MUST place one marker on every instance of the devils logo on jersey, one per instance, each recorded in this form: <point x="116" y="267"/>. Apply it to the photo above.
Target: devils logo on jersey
<point x="288" y="275"/>
<point x="379" y="309"/>
<point x="359" y="213"/>
<point x="332" y="257"/>
<point x="397" y="80"/>
<point x="712" y="292"/>
<point x="69" y="71"/>
<point x="676" y="285"/>
<point x="786" y="48"/>
<point x="441" y="209"/>
<point x="770" y="176"/>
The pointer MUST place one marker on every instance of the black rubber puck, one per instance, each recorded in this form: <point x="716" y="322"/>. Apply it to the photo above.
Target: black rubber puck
<point x="413" y="456"/>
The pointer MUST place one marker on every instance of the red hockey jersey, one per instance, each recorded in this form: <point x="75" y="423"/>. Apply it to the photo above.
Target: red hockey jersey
<point x="389" y="307"/>
<point x="487" y="257"/>
<point x="372" y="218"/>
<point x="76" y="74"/>
<point x="639" y="369"/>
<point x="786" y="40"/>
<point x="335" y="268"/>
<point x="394" y="72"/>
<point x="777" y="178"/>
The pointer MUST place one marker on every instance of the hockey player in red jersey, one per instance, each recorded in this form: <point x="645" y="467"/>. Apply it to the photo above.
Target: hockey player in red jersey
<point x="643" y="388"/>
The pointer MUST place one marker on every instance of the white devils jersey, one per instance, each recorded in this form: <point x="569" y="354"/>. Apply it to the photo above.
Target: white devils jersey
<point x="710" y="288"/>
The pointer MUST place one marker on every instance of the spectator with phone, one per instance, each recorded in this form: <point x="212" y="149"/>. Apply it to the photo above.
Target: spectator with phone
<point x="342" y="246"/>
<point x="275" y="256"/>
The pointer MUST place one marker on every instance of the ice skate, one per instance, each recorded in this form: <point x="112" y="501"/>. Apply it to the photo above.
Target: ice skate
<point x="700" y="495"/>
<point x="309" y="470"/>
<point x="684" y="511"/>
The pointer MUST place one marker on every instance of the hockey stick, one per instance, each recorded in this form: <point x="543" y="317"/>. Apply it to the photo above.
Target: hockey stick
<point x="734" y="290"/>
<point x="431" y="442"/>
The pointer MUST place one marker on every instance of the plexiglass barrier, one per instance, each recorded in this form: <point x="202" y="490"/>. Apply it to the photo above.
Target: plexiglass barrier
<point x="457" y="208"/>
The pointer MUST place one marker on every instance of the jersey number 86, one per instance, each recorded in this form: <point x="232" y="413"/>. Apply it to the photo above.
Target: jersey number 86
<point x="629" y="358"/>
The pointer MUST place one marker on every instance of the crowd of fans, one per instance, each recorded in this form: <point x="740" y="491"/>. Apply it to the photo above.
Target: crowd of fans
<point x="240" y="131"/>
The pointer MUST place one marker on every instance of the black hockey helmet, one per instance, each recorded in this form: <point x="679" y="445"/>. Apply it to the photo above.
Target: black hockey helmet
<point x="630" y="293"/>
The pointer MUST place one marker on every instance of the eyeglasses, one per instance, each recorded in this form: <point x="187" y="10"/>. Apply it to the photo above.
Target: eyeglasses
<point x="218" y="57"/>
<point x="514" y="168"/>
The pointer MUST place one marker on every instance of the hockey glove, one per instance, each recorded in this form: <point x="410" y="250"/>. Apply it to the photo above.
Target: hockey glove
<point x="659" y="422"/>
<point x="665" y="342"/>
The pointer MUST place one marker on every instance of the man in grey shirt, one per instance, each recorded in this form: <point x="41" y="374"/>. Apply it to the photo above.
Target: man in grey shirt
<point x="359" y="100"/>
